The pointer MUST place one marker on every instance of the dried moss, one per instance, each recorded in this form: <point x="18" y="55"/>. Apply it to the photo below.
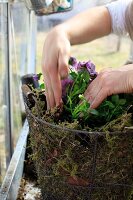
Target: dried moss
<point x="82" y="165"/>
<point x="125" y="120"/>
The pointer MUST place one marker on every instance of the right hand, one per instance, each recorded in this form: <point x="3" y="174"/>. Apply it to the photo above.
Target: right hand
<point x="56" y="54"/>
<point x="110" y="81"/>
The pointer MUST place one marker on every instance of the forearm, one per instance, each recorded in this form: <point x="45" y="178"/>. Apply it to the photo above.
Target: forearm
<point x="87" y="26"/>
<point x="130" y="77"/>
<point x="127" y="71"/>
<point x="131" y="81"/>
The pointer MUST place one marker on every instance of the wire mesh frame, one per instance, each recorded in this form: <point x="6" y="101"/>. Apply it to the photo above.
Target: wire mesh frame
<point x="94" y="136"/>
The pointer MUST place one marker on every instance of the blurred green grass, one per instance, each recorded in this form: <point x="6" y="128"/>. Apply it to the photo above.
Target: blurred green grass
<point x="101" y="51"/>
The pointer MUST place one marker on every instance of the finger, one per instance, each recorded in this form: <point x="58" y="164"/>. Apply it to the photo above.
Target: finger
<point x="93" y="85"/>
<point x="99" y="98"/>
<point x="50" y="93"/>
<point x="92" y="90"/>
<point x="46" y="86"/>
<point x="56" y="87"/>
<point x="54" y="84"/>
<point x="63" y="65"/>
<point x="47" y="97"/>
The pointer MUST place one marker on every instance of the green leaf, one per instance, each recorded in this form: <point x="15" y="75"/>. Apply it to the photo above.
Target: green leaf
<point x="122" y="102"/>
<point x="109" y="104"/>
<point x="42" y="86"/>
<point x="94" y="112"/>
<point x="115" y="99"/>
<point x="39" y="75"/>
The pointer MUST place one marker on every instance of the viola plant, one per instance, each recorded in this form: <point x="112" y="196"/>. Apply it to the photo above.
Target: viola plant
<point x="74" y="145"/>
<point x="76" y="107"/>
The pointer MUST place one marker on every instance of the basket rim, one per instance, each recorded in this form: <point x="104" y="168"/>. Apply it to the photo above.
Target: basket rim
<point x="93" y="133"/>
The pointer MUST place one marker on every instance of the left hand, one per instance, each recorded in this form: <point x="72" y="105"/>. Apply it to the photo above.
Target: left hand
<point x="108" y="82"/>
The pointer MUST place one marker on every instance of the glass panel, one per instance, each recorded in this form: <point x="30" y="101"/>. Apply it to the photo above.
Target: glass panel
<point x="19" y="18"/>
<point x="3" y="90"/>
<point x="13" y="63"/>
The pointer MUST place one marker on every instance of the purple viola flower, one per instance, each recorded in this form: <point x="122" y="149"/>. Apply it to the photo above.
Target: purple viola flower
<point x="91" y="68"/>
<point x="72" y="61"/>
<point x="82" y="64"/>
<point x="79" y="66"/>
<point x="35" y="77"/>
<point x="65" y="83"/>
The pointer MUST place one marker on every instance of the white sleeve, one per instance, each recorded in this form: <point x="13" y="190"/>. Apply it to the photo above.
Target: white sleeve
<point x="117" y="12"/>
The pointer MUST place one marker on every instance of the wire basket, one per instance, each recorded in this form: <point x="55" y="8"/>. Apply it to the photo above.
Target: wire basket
<point x="79" y="165"/>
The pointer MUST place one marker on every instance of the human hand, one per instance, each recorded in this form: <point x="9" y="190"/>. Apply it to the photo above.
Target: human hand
<point x="55" y="58"/>
<point x="108" y="82"/>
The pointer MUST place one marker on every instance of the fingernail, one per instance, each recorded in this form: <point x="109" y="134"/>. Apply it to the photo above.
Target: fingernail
<point x="64" y="74"/>
<point x="90" y="99"/>
<point x="91" y="104"/>
<point x="59" y="103"/>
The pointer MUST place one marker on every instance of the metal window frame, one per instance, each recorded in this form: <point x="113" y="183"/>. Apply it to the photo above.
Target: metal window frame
<point x="6" y="56"/>
<point x="10" y="185"/>
<point x="31" y="47"/>
<point x="31" y="63"/>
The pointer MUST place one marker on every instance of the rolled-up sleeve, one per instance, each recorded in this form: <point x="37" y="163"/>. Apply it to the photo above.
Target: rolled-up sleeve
<point x="117" y="12"/>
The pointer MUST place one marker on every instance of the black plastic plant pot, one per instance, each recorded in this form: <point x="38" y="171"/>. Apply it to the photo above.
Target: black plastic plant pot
<point x="79" y="165"/>
<point x="29" y="80"/>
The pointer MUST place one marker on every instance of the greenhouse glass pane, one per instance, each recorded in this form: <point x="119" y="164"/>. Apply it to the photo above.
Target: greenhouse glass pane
<point x="3" y="91"/>
<point x="15" y="59"/>
<point x="19" y="17"/>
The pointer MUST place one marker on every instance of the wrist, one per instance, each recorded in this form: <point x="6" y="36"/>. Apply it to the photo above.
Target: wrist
<point x="62" y="29"/>
<point x="127" y="74"/>
<point x="131" y="81"/>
